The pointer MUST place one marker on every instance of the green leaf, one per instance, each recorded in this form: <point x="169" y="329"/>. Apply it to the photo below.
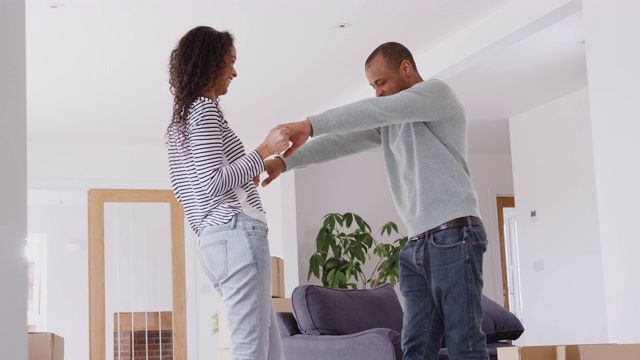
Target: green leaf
<point x="386" y="228"/>
<point x="368" y="240"/>
<point x="359" y="254"/>
<point x="348" y="218"/>
<point x="331" y="276"/>
<point x="321" y="238"/>
<point x="342" y="280"/>
<point x="314" y="266"/>
<point x="330" y="220"/>
<point x="348" y="272"/>
<point x="336" y="280"/>
<point x="362" y="224"/>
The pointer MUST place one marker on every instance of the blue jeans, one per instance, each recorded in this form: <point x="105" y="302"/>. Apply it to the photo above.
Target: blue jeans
<point x="441" y="281"/>
<point x="235" y="257"/>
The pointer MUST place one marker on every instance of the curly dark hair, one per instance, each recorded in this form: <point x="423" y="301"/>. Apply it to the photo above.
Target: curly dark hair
<point x="194" y="66"/>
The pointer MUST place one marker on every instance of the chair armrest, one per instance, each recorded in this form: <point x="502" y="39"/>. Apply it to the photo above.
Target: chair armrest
<point x="287" y="324"/>
<point x="373" y="344"/>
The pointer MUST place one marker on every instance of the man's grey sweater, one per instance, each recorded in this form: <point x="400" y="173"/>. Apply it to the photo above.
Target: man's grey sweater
<point x="423" y="134"/>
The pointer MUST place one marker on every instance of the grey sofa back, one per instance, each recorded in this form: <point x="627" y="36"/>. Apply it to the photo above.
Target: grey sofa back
<point x="323" y="311"/>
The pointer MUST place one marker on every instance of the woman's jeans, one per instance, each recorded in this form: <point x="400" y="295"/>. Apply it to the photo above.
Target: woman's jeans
<point x="235" y="257"/>
<point x="441" y="281"/>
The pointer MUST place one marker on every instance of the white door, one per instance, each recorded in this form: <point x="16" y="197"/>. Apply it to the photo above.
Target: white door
<point x="512" y="262"/>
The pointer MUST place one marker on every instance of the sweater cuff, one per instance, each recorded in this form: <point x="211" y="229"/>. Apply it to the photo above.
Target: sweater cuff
<point x="317" y="125"/>
<point x="283" y="161"/>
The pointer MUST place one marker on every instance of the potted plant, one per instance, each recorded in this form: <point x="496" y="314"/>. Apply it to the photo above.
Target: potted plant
<point x="342" y="251"/>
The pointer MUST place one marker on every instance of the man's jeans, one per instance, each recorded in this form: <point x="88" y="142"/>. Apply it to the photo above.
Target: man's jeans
<point x="441" y="281"/>
<point x="235" y="257"/>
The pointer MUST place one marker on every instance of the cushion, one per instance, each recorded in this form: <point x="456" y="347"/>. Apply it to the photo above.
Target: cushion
<point x="324" y="311"/>
<point x="499" y="323"/>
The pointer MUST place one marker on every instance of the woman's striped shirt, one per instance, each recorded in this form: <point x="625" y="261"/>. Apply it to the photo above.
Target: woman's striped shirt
<point x="211" y="175"/>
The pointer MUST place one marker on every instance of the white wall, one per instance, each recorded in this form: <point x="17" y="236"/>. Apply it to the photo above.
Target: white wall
<point x="560" y="255"/>
<point x="13" y="217"/>
<point x="612" y="67"/>
<point x="62" y="216"/>
<point x="492" y="177"/>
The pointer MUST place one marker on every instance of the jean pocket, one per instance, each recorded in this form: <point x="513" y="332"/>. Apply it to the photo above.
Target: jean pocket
<point x="477" y="235"/>
<point x="448" y="239"/>
<point x="480" y="246"/>
<point x="213" y="258"/>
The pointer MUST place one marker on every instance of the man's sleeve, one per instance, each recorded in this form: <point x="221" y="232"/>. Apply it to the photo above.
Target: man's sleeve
<point x="431" y="100"/>
<point x="330" y="147"/>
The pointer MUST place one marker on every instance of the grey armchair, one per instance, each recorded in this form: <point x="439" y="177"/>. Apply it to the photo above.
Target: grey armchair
<point x="331" y="324"/>
<point x="334" y="324"/>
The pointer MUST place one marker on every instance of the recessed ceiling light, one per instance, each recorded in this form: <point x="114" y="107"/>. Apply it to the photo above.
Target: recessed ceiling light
<point x="56" y="6"/>
<point x="343" y="26"/>
<point x="581" y="42"/>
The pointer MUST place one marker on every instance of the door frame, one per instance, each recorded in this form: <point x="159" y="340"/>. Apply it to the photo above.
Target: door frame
<point x="504" y="202"/>
<point x="97" y="316"/>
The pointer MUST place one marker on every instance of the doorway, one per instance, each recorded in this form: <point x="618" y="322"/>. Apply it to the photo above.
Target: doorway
<point x="137" y="290"/>
<point x="507" y="226"/>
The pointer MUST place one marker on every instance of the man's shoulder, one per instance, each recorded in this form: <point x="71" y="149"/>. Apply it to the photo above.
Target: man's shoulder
<point x="431" y="84"/>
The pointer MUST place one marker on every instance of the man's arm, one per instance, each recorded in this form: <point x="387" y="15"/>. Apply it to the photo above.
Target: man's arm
<point x="323" y="149"/>
<point x="431" y="100"/>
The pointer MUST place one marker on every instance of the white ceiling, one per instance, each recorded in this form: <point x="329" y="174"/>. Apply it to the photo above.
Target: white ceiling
<point x="97" y="69"/>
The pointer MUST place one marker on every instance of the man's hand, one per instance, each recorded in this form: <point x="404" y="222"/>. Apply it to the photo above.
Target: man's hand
<point x="273" y="167"/>
<point x="299" y="133"/>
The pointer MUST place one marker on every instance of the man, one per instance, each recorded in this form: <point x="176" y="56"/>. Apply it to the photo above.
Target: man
<point x="421" y="127"/>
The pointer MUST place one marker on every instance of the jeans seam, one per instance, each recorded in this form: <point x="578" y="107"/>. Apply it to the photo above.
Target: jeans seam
<point x="470" y="283"/>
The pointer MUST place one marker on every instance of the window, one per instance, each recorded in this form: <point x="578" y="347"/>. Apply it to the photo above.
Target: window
<point x="36" y="252"/>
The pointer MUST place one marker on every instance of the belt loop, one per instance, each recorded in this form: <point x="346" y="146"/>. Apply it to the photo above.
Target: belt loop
<point x="233" y="221"/>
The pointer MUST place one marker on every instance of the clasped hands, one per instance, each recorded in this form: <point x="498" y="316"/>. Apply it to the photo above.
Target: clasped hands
<point x="284" y="137"/>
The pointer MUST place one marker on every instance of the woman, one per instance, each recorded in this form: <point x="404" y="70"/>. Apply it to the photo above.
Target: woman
<point x="212" y="177"/>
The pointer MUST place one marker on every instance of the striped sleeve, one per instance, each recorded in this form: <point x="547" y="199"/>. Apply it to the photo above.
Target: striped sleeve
<point x="215" y="176"/>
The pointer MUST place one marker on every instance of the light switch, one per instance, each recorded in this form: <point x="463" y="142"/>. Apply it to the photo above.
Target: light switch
<point x="534" y="215"/>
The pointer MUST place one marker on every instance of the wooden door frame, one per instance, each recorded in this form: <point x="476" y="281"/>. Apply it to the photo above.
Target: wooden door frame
<point x="97" y="316"/>
<point x="504" y="202"/>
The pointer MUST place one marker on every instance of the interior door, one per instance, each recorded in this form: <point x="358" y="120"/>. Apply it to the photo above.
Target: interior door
<point x="137" y="290"/>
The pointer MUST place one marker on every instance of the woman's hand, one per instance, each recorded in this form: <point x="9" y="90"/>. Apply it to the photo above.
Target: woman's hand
<point x="276" y="142"/>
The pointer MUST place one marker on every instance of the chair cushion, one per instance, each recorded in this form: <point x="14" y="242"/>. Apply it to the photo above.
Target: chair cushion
<point x="499" y="323"/>
<point x="324" y="311"/>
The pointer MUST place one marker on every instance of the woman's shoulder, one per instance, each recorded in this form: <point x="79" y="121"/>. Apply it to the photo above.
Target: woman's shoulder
<point x="203" y="110"/>
<point x="202" y="102"/>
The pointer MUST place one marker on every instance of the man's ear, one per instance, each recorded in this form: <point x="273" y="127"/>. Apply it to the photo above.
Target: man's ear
<point x="405" y="68"/>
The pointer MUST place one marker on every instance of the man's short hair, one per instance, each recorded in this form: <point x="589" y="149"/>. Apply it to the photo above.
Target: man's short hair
<point x="394" y="54"/>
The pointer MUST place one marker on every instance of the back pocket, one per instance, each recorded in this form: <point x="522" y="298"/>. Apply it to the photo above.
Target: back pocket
<point x="213" y="258"/>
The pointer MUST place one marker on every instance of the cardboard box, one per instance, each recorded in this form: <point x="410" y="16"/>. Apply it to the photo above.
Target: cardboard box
<point x="277" y="277"/>
<point x="223" y="354"/>
<point x="282" y="304"/>
<point x="572" y="352"/>
<point x="45" y="346"/>
<point x="528" y="353"/>
<point x="279" y="304"/>
<point x="601" y="351"/>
